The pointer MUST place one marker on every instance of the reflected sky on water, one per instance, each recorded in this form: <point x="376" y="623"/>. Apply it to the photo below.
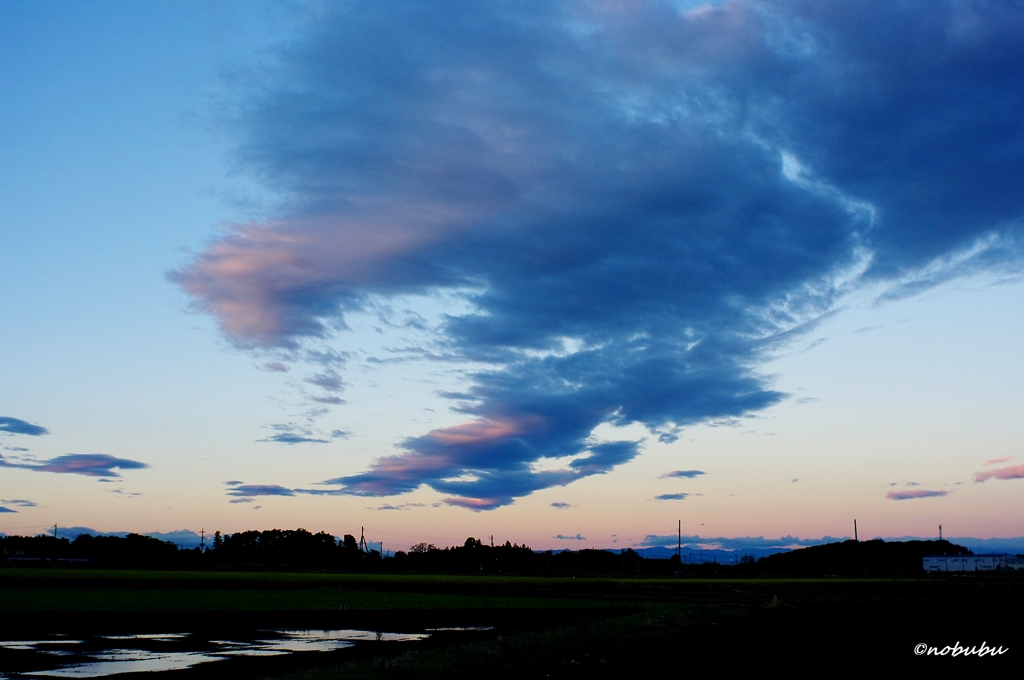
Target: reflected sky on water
<point x="106" y="655"/>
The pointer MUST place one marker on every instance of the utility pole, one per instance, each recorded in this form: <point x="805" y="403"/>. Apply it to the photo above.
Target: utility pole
<point x="679" y="541"/>
<point x="855" y="536"/>
<point x="940" y="532"/>
<point x="55" y="530"/>
<point x="202" y="539"/>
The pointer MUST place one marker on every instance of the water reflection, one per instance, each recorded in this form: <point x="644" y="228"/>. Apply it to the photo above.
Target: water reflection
<point x="105" y="655"/>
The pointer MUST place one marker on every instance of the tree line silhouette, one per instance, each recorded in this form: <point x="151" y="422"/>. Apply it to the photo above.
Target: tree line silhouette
<point x="302" y="549"/>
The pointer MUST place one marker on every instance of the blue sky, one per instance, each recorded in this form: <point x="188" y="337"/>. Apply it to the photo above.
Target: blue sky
<point x="536" y="269"/>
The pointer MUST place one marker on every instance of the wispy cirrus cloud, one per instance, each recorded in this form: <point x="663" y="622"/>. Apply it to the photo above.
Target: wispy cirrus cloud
<point x="672" y="497"/>
<point x="88" y="464"/>
<point x="289" y="433"/>
<point x="915" y="493"/>
<point x="639" y="202"/>
<point x="559" y="505"/>
<point x="997" y="461"/>
<point x="400" y="506"/>
<point x="18" y="426"/>
<point x="1010" y="472"/>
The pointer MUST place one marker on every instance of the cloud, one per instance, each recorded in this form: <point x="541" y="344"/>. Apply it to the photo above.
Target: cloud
<point x="1011" y="472"/>
<point x="250" y="490"/>
<point x="671" y="497"/>
<point x="558" y="505"/>
<point x="89" y="464"/>
<point x="402" y="506"/>
<point x="638" y="203"/>
<point x="494" y="454"/>
<point x="17" y="426"/>
<point x="3" y="509"/>
<point x="19" y="502"/>
<point x="688" y="474"/>
<point x="996" y="461"/>
<point x="915" y="493"/>
<point x="275" y="366"/>
<point x="577" y="537"/>
<point x="292" y="438"/>
<point x="328" y="380"/>
<point x="291" y="434"/>
<point x="736" y="542"/>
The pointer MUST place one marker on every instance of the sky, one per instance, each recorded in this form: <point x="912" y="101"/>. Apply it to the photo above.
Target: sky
<point x="561" y="273"/>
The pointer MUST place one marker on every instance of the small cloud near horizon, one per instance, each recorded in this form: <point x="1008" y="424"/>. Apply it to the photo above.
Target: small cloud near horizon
<point x="915" y="493"/>
<point x="401" y="506"/>
<point x="1011" y="472"/>
<point x="671" y="497"/>
<point x="18" y="501"/>
<point x="577" y="537"/>
<point x="688" y="474"/>
<point x="250" y="490"/>
<point x="996" y="461"/>
<point x="558" y="505"/>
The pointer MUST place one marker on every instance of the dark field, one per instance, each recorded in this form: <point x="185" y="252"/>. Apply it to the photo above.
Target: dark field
<point x="542" y="627"/>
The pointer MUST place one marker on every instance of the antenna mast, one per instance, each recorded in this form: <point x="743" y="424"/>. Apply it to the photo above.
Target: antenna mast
<point x="679" y="541"/>
<point x="855" y="537"/>
<point x="362" y="540"/>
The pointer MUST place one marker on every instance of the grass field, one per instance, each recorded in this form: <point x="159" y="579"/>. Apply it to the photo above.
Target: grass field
<point x="545" y="627"/>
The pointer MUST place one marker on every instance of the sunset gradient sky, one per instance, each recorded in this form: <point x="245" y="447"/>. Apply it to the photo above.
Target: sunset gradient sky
<point x="562" y="273"/>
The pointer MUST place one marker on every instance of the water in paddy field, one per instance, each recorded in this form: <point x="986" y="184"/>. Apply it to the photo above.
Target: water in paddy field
<point x="98" y="656"/>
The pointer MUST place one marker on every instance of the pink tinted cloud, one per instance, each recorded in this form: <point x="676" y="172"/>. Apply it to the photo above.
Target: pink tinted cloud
<point x="914" y="493"/>
<point x="996" y="461"/>
<point x="484" y="431"/>
<point x="255" y="279"/>
<point x="477" y="504"/>
<point x="1011" y="472"/>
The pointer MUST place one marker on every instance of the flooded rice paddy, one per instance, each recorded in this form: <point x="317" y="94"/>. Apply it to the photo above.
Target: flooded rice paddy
<point x="99" y="656"/>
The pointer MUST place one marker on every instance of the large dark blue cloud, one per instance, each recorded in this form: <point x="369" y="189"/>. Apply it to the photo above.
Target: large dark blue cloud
<point x="642" y="201"/>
